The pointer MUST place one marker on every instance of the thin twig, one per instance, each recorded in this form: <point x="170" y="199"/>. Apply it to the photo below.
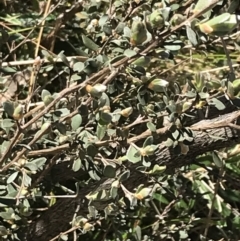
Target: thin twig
<point x="25" y="40"/>
<point x="31" y="61"/>
<point x="105" y="71"/>
<point x="33" y="74"/>
<point x="21" y="153"/>
<point x="68" y="231"/>
<point x="33" y="29"/>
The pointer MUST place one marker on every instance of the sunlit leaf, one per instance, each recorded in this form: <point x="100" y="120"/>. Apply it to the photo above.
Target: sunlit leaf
<point x="76" y="122"/>
<point x="77" y="165"/>
<point x="133" y="155"/>
<point x="89" y="43"/>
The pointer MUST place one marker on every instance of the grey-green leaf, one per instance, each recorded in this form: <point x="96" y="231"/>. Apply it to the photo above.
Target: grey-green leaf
<point x="8" y="107"/>
<point x="133" y="154"/>
<point x="148" y="141"/>
<point x="124" y="176"/>
<point x="89" y="43"/>
<point x="77" y="165"/>
<point x="79" y="67"/>
<point x="45" y="93"/>
<point x="129" y="53"/>
<point x="27" y="180"/>
<point x="12" y="177"/>
<point x="39" y="161"/>
<point x="76" y="122"/>
<point x="64" y="59"/>
<point x="217" y="159"/>
<point x="192" y="37"/>
<point x="217" y="103"/>
<point x="101" y="130"/>
<point x="151" y="127"/>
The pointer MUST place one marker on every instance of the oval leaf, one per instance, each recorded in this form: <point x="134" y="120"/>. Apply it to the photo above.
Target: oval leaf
<point x="76" y="122"/>
<point x="89" y="43"/>
<point x="109" y="171"/>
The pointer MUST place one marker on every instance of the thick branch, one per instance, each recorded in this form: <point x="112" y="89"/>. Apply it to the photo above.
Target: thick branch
<point x="57" y="218"/>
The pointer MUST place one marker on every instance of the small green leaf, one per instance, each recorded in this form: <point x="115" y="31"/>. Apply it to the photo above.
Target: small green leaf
<point x="8" y="108"/>
<point x="151" y="127"/>
<point x="129" y="53"/>
<point x="27" y="180"/>
<point x="156" y="19"/>
<point x="192" y="37"/>
<point x="119" y="28"/>
<point x="89" y="43"/>
<point x="64" y="59"/>
<point x="12" y="177"/>
<point x="3" y="231"/>
<point x="79" y="67"/>
<point x="146" y="162"/>
<point x="106" y="117"/>
<point x="148" y="141"/>
<point x="47" y="56"/>
<point x="76" y="122"/>
<point x="114" y="189"/>
<point x="48" y="100"/>
<point x="143" y="193"/>
<point x="138" y="232"/>
<point x="217" y="103"/>
<point x="7" y="123"/>
<point x="201" y="4"/>
<point x="169" y="142"/>
<point x="158" y="169"/>
<point x="173" y="45"/>
<point x="7" y="215"/>
<point x="234" y="5"/>
<point x="230" y="90"/>
<point x="64" y="237"/>
<point x="109" y="171"/>
<point x="77" y="165"/>
<point x="31" y="166"/>
<point x="143" y="61"/>
<point x="117" y="58"/>
<point x="45" y="93"/>
<point x="133" y="155"/>
<point x="217" y="159"/>
<point x="158" y="85"/>
<point x="220" y="25"/>
<point x="124" y="176"/>
<point x="39" y="161"/>
<point x="101" y="131"/>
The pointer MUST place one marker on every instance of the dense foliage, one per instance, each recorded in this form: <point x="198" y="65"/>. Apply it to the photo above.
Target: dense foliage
<point x="119" y="120"/>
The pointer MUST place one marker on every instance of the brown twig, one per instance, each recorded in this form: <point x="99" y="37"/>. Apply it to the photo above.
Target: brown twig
<point x="49" y="151"/>
<point x="51" y="37"/>
<point x="31" y="61"/>
<point x="33" y="29"/>
<point x="105" y="71"/>
<point x="21" y="153"/>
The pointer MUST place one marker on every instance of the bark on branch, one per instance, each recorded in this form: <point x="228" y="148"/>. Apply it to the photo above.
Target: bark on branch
<point x="57" y="218"/>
